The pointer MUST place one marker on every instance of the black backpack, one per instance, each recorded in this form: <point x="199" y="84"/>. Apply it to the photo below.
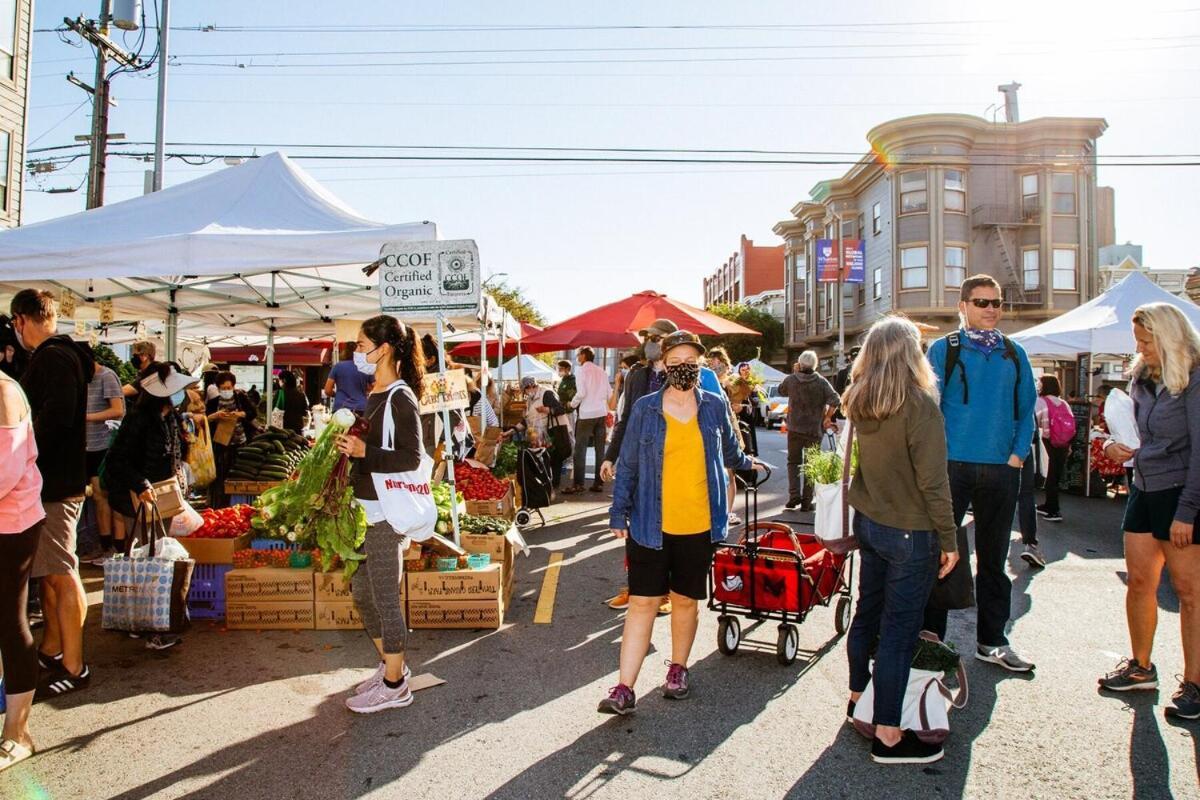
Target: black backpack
<point x="954" y="351"/>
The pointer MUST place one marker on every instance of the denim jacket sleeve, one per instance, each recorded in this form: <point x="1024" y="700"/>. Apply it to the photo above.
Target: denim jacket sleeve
<point x="1189" y="499"/>
<point x="733" y="456"/>
<point x="627" y="470"/>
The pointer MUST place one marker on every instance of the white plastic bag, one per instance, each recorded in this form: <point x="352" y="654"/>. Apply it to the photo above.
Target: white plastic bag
<point x="1121" y="419"/>
<point x="186" y="522"/>
<point x="167" y="548"/>
<point x="830" y="443"/>
<point x="405" y="498"/>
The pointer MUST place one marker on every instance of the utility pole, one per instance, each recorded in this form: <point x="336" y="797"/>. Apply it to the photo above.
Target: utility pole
<point x="160" y="121"/>
<point x="96" y="34"/>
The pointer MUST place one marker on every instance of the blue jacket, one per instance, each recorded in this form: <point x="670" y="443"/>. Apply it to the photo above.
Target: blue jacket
<point x="637" y="492"/>
<point x="984" y="430"/>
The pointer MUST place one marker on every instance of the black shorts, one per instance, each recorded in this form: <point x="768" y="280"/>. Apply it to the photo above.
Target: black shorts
<point x="1153" y="512"/>
<point x="681" y="566"/>
<point x="94" y="457"/>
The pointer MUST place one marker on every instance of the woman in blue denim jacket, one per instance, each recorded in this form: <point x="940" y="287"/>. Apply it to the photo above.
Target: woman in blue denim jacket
<point x="669" y="505"/>
<point x="1164" y="499"/>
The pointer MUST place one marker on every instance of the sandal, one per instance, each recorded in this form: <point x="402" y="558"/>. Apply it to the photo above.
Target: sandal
<point x="13" y="752"/>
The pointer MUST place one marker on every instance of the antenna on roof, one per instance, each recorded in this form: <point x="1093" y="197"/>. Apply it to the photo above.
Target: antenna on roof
<point x="1009" y="90"/>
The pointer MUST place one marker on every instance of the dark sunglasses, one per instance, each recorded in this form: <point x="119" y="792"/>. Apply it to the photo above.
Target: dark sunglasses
<point x="980" y="302"/>
<point x="653" y="337"/>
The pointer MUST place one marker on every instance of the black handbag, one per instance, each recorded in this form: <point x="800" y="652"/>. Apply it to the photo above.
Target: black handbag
<point x="956" y="590"/>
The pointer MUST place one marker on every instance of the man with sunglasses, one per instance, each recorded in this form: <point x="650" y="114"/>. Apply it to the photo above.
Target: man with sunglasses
<point x="987" y="397"/>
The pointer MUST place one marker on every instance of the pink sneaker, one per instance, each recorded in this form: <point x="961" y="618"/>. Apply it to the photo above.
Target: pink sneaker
<point x="379" y="698"/>
<point x="621" y="700"/>
<point x="377" y="677"/>
<point x="677" y="682"/>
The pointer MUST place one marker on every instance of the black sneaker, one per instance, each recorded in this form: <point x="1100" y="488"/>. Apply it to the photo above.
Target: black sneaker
<point x="1052" y="516"/>
<point x="1186" y="702"/>
<point x="50" y="664"/>
<point x="791" y="505"/>
<point x="850" y="711"/>
<point x="66" y="683"/>
<point x="1130" y="676"/>
<point x="909" y="750"/>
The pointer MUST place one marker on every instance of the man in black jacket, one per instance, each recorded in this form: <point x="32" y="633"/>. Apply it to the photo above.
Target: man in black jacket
<point x="56" y="384"/>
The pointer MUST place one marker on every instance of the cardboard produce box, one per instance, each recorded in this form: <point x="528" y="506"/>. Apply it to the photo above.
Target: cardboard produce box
<point x="254" y="615"/>
<point x="269" y="585"/>
<point x="504" y="507"/>
<point x="213" y="551"/>
<point x="336" y="617"/>
<point x="464" y="598"/>
<point x="331" y="587"/>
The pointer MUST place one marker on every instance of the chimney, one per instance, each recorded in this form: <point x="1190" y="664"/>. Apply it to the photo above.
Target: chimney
<point x="1009" y="90"/>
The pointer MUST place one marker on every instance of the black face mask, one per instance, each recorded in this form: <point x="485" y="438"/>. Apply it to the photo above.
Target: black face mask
<point x="683" y="376"/>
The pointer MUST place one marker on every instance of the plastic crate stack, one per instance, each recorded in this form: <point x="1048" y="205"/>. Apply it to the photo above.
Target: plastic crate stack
<point x="273" y="544"/>
<point x="206" y="596"/>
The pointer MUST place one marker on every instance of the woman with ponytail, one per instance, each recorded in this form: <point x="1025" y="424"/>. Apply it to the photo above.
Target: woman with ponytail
<point x="388" y="351"/>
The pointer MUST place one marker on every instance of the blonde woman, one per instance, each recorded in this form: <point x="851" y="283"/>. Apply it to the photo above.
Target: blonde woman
<point x="904" y="523"/>
<point x="1164" y="500"/>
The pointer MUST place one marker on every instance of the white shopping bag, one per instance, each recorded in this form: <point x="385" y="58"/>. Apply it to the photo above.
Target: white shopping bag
<point x="827" y="524"/>
<point x="1121" y="420"/>
<point x="925" y="712"/>
<point x="405" y="498"/>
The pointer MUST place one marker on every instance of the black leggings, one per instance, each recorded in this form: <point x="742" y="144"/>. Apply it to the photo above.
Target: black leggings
<point x="16" y="642"/>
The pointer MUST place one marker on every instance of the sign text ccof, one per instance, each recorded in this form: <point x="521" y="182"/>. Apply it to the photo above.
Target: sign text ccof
<point x="422" y="279"/>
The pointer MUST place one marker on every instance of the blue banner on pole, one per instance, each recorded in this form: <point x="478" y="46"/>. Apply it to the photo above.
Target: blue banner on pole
<point x="849" y="265"/>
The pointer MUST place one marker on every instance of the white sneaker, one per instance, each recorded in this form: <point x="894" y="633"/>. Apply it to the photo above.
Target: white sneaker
<point x="379" y="698"/>
<point x="377" y="677"/>
<point x="1003" y="656"/>
<point x="734" y="520"/>
<point x="1033" y="556"/>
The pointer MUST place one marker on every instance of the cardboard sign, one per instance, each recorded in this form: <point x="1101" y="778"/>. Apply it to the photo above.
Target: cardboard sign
<point x="445" y="391"/>
<point x="423" y="279"/>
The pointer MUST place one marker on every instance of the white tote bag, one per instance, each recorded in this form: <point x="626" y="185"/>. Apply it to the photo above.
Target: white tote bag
<point x="405" y="498"/>
<point x="927" y="703"/>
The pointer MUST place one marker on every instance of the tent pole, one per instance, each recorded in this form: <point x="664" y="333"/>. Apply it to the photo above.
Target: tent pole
<point x="172" y="327"/>
<point x="483" y="377"/>
<point x="500" y="352"/>
<point x="449" y="434"/>
<point x="268" y="386"/>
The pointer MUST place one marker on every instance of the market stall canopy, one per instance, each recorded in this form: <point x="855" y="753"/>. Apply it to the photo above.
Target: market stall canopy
<point x="311" y="353"/>
<point x="529" y="367"/>
<point x="1101" y="325"/>
<point x="265" y="214"/>
<point x="470" y="348"/>
<point x="616" y="324"/>
<point x="765" y="371"/>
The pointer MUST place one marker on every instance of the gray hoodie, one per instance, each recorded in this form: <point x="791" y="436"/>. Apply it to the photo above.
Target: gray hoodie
<point x="1168" y="425"/>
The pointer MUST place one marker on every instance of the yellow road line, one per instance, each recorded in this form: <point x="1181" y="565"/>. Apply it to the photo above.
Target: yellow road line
<point x="545" y="606"/>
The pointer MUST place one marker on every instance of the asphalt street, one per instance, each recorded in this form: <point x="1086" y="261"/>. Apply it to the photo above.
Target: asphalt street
<point x="235" y="714"/>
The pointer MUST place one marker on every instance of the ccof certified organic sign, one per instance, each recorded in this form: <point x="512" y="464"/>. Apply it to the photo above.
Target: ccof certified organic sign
<point x="421" y="279"/>
<point x="445" y="391"/>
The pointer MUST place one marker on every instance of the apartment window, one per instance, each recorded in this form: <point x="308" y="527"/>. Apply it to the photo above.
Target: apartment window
<point x="1029" y="194"/>
<point x="1064" y="270"/>
<point x="862" y="294"/>
<point x="955" y="190"/>
<point x="914" y="267"/>
<point x="5" y="164"/>
<point x="876" y="219"/>
<point x="877" y="283"/>
<point x="1031" y="269"/>
<point x="913" y="197"/>
<point x="956" y="266"/>
<point x="1062" y="185"/>
<point x="8" y="41"/>
<point x="860" y="227"/>
<point x="801" y="266"/>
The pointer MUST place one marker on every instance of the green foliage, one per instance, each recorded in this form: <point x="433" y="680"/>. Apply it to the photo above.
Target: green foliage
<point x="825" y="467"/>
<point x="513" y="300"/>
<point x="105" y="355"/>
<point x="744" y="347"/>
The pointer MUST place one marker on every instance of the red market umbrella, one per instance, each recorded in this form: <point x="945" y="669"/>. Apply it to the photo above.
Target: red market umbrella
<point x="617" y="324"/>
<point x="470" y="349"/>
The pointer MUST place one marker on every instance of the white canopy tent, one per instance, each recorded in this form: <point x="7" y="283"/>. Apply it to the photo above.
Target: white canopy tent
<point x="526" y="366"/>
<point x="765" y="371"/>
<point x="1101" y="325"/>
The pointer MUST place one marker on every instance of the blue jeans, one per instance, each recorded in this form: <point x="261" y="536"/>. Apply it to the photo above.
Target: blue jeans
<point x="897" y="574"/>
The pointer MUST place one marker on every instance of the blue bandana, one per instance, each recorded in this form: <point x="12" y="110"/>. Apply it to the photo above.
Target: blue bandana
<point x="987" y="341"/>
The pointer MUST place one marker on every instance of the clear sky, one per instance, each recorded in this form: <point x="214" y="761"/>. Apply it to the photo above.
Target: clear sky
<point x="675" y="75"/>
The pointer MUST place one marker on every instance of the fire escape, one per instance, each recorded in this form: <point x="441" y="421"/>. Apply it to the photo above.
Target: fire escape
<point x="1002" y="224"/>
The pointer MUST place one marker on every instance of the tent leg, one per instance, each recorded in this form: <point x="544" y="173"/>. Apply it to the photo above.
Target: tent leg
<point x="483" y="381"/>
<point x="268" y="385"/>
<point x="449" y="434"/>
<point x="172" y="328"/>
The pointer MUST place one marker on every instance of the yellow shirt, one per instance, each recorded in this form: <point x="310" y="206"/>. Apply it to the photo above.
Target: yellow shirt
<point x="684" y="480"/>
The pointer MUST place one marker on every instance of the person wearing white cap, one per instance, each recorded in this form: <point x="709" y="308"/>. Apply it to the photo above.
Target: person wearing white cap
<point x="148" y="448"/>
